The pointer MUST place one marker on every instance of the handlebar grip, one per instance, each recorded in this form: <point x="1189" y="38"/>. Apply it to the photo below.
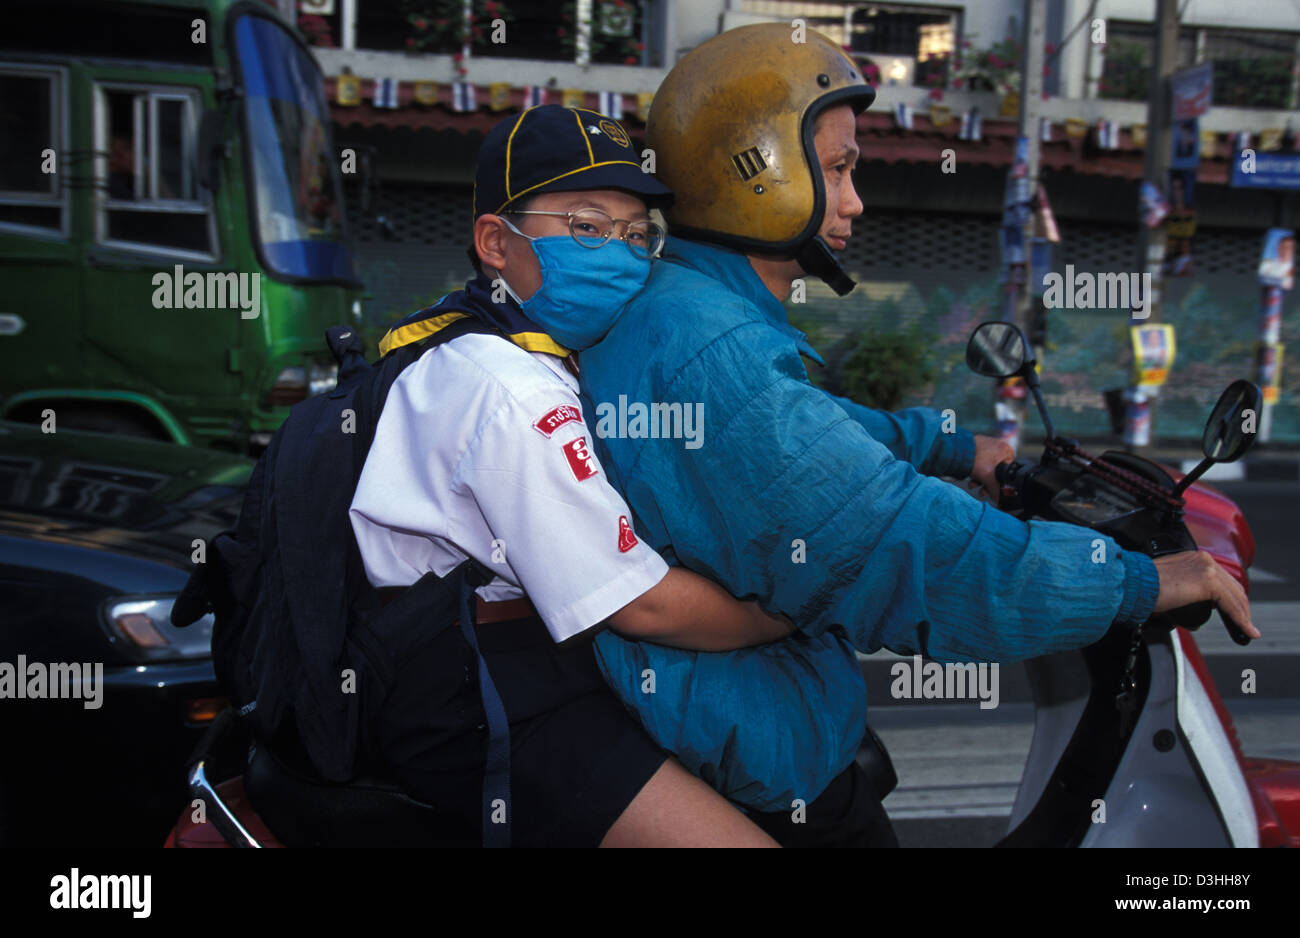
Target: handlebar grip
<point x="1235" y="631"/>
<point x="1003" y="472"/>
<point x="1192" y="616"/>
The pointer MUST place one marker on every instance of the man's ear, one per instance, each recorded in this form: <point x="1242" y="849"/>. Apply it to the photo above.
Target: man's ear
<point x="490" y="241"/>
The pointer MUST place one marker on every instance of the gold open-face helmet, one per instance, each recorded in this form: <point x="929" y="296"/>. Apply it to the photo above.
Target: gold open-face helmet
<point x="732" y="132"/>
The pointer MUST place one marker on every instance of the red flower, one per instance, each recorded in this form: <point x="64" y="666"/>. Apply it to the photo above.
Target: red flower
<point x="1051" y="48"/>
<point x="936" y="94"/>
<point x="640" y="47"/>
<point x="958" y="82"/>
<point x="420" y="23"/>
<point x="631" y="60"/>
<point x="561" y="32"/>
<point x="491" y="8"/>
<point x="410" y="43"/>
<point x="458" y="56"/>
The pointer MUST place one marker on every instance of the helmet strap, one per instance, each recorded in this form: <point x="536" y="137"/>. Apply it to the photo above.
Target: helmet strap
<point x="816" y="257"/>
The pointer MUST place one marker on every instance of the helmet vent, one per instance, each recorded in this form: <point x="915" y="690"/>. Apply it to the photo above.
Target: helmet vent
<point x="749" y="163"/>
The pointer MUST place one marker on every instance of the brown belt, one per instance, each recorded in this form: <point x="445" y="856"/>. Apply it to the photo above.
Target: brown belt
<point x="486" y="612"/>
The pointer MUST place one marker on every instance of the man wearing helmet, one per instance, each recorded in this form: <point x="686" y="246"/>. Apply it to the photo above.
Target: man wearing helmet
<point x="825" y="509"/>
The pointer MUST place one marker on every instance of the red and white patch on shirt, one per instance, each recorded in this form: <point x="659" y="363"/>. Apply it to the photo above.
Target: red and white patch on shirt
<point x="555" y="418"/>
<point x="580" y="459"/>
<point x="626" y="538"/>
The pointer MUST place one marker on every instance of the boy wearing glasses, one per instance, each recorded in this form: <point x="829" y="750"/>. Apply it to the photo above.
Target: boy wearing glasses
<point x="482" y="451"/>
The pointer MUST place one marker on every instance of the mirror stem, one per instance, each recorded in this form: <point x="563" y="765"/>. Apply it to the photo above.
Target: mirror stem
<point x="1031" y="379"/>
<point x="1192" y="476"/>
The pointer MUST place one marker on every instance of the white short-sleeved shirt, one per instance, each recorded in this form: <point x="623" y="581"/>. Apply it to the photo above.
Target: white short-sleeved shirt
<point x="481" y="450"/>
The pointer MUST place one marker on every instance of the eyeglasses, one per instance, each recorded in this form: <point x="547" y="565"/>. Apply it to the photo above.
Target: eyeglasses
<point x="592" y="228"/>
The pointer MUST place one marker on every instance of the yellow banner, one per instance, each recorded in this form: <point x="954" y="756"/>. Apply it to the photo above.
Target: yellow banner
<point x="1139" y="136"/>
<point x="349" y="90"/>
<point x="940" y="115"/>
<point x="499" y="96"/>
<point x="426" y="92"/>
<point x="1153" y="353"/>
<point x="1270" y="138"/>
<point x="573" y="97"/>
<point x="1209" y="144"/>
<point x="643" y="100"/>
<point x="1076" y="127"/>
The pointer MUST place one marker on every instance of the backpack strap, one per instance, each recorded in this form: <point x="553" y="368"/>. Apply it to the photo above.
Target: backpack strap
<point x="496" y="773"/>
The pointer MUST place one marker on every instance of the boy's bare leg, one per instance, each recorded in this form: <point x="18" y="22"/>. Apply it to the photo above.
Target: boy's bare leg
<point x="676" y="809"/>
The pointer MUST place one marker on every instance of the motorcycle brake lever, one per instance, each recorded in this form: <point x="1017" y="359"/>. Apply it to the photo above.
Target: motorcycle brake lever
<point x="1235" y="631"/>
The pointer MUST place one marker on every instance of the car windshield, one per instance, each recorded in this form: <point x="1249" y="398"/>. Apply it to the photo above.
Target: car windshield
<point x="296" y="184"/>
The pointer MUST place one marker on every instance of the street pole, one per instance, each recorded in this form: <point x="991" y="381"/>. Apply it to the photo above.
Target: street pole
<point x="1009" y="405"/>
<point x="1139" y="417"/>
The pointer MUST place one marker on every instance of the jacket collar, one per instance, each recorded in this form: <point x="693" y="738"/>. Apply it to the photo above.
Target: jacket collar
<point x="734" y="271"/>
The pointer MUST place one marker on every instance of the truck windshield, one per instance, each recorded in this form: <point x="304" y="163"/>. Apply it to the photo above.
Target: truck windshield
<point x="296" y="189"/>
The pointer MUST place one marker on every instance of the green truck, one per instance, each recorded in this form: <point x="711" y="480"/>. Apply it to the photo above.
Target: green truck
<point x="172" y="234"/>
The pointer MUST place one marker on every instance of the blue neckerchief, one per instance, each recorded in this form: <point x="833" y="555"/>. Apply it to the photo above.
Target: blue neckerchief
<point x="475" y="300"/>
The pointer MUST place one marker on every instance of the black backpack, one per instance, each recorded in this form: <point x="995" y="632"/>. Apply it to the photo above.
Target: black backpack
<point x="302" y="644"/>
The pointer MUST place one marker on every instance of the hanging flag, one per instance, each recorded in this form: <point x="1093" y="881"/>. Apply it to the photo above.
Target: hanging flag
<point x="499" y="95"/>
<point x="1044" y="130"/>
<point x="1107" y="135"/>
<point x="463" y="96"/>
<point x="1241" y="141"/>
<point x="348" y="90"/>
<point x="1270" y="138"/>
<point x="426" y="93"/>
<point x="573" y="97"/>
<point x="643" y="100"/>
<point x="940" y="115"/>
<point x="972" y="125"/>
<point x="385" y="92"/>
<point x="534" y="96"/>
<point x="611" y="104"/>
<point x="903" y="116"/>
<point x="1076" y="127"/>
<point x="1138" y="133"/>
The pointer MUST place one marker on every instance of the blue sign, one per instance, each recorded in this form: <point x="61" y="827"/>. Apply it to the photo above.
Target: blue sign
<point x="1272" y="171"/>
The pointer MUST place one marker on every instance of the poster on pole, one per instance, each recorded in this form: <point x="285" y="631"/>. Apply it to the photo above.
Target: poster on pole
<point x="1153" y="354"/>
<point x="1193" y="91"/>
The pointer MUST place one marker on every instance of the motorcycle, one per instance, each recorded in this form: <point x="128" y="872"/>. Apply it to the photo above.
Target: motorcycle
<point x="1132" y="744"/>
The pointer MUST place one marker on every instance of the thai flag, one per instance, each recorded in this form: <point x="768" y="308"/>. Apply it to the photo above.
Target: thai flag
<point x="1044" y="130"/>
<point x="1241" y="141"/>
<point x="463" y="97"/>
<point x="534" y="96"/>
<point x="611" y="104"/>
<point x="903" y="116"/>
<point x="1108" y="135"/>
<point x="972" y="125"/>
<point x="386" y="92"/>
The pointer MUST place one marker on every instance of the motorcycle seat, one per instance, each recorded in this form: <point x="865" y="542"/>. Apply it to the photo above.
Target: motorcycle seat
<point x="303" y="810"/>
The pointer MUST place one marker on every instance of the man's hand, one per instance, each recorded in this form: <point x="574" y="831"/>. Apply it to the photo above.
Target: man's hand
<point x="1193" y="576"/>
<point x="990" y="452"/>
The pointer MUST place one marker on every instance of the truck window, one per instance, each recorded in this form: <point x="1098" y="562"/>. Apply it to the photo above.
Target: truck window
<point x="299" y="225"/>
<point x="31" y="125"/>
<point x="146" y="144"/>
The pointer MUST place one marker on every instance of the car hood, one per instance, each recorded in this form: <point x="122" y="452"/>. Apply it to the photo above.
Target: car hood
<point x="127" y="495"/>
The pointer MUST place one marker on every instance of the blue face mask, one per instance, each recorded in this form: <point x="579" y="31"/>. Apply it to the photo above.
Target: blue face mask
<point x="583" y="290"/>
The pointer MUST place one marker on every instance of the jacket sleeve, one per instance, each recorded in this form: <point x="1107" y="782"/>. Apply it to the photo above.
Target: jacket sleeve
<point x="791" y="498"/>
<point x="915" y="435"/>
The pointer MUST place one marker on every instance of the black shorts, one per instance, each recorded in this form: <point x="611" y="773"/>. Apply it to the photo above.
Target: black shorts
<point x="577" y="757"/>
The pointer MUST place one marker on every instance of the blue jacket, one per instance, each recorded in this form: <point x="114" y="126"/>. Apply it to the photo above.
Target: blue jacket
<point x="824" y="510"/>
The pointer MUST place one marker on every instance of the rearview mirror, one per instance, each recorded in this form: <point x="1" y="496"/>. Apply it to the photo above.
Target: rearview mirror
<point x="997" y="350"/>
<point x="1230" y="431"/>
